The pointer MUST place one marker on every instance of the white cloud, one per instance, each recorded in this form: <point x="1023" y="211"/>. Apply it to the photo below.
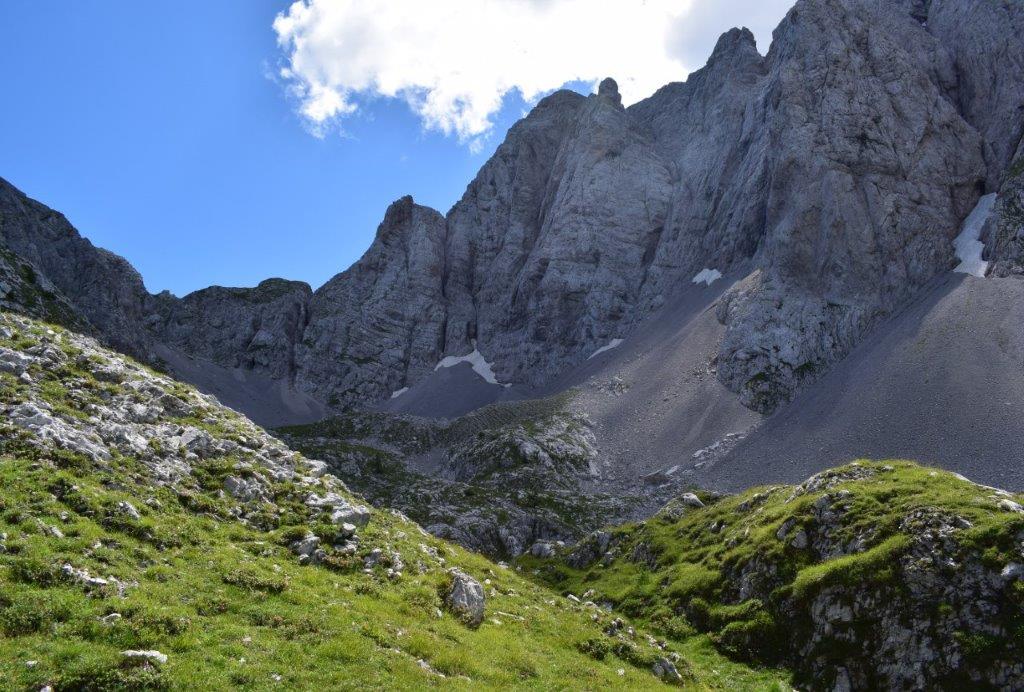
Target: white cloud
<point x="453" y="61"/>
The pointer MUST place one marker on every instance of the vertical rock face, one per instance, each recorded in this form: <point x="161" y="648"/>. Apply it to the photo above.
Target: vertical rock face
<point x="382" y="322"/>
<point x="710" y="129"/>
<point x="1005" y="246"/>
<point x="983" y="41"/>
<point x="579" y="266"/>
<point x="833" y="173"/>
<point x="870" y="171"/>
<point x="839" y="167"/>
<point x="24" y="289"/>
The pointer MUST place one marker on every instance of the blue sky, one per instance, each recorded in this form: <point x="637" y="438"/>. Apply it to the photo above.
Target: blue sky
<point x="166" y="132"/>
<point x="161" y="138"/>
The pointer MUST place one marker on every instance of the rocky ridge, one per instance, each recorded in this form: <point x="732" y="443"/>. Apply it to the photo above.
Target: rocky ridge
<point x="64" y="391"/>
<point x="497" y="481"/>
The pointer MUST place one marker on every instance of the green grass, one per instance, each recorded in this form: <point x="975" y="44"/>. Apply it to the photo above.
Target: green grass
<point x="231" y="607"/>
<point x="849" y="570"/>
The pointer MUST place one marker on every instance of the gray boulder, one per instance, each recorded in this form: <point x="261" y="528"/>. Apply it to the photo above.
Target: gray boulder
<point x="147" y="656"/>
<point x="13" y="362"/>
<point x="465" y="598"/>
<point x="243" y="489"/>
<point x="542" y="549"/>
<point x="348" y="513"/>
<point x="665" y="669"/>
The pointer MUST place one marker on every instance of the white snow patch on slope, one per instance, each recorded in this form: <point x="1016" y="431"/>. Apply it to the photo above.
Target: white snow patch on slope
<point x="614" y="343"/>
<point x="707" y="276"/>
<point x="399" y="392"/>
<point x="968" y="247"/>
<point x="480" y="365"/>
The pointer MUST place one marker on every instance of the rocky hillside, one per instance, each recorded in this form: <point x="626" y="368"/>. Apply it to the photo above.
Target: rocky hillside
<point x="827" y="179"/>
<point x="152" y="539"/>
<point x="881" y="575"/>
<point x="496" y="481"/>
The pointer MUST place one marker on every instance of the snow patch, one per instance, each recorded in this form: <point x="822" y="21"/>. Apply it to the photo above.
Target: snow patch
<point x="399" y="392"/>
<point x="968" y="247"/>
<point x="480" y="365"/>
<point x="614" y="343"/>
<point x="707" y="276"/>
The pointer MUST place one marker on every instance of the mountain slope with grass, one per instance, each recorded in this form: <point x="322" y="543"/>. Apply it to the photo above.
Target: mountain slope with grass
<point x="875" y="575"/>
<point x="153" y="539"/>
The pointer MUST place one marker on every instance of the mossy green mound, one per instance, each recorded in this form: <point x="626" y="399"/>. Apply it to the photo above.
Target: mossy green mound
<point x="878" y="574"/>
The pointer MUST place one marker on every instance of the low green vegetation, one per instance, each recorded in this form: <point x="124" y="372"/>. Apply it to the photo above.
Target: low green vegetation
<point x="230" y="606"/>
<point x="176" y="532"/>
<point x="521" y="475"/>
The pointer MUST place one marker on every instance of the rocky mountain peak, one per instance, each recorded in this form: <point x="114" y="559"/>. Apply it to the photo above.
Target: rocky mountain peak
<point x="609" y="89"/>
<point x="736" y="45"/>
<point x="398" y="214"/>
<point x="605" y="318"/>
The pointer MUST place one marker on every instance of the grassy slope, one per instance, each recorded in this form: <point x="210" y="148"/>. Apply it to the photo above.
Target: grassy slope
<point x="692" y="584"/>
<point x="231" y="606"/>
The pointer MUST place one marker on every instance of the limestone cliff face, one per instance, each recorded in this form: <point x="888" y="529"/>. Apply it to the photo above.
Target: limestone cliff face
<point x="870" y="170"/>
<point x="833" y="173"/>
<point x="381" y="323"/>
<point x="983" y="43"/>
<point x="1005" y="241"/>
<point x="837" y="169"/>
<point x="561" y="285"/>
